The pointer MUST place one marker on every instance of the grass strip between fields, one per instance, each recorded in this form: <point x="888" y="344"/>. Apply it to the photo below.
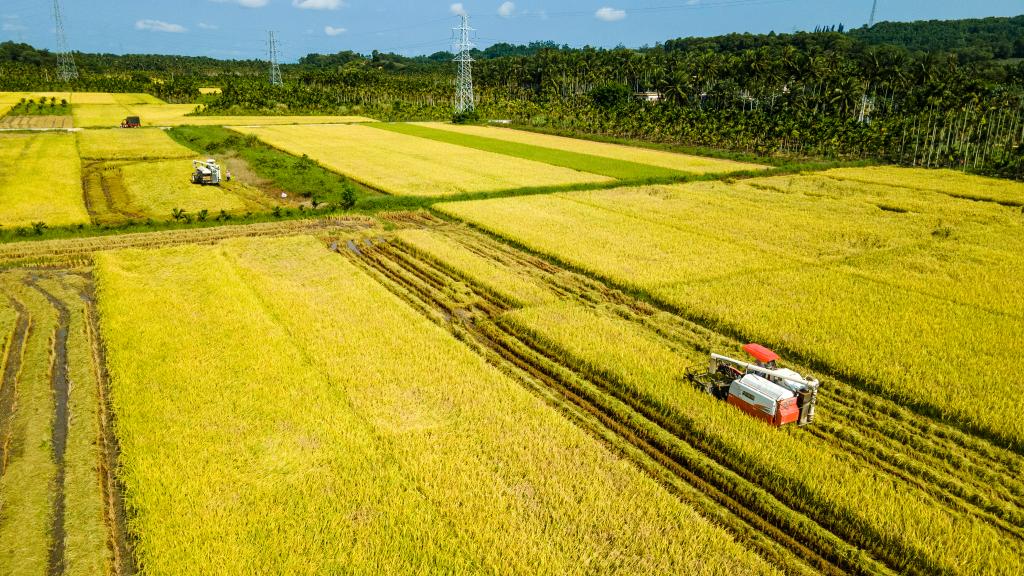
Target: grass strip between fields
<point x="619" y="169"/>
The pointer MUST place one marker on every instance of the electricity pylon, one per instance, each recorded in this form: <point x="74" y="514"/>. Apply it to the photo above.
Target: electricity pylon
<point x="275" y="68"/>
<point x="464" y="99"/>
<point x="66" y="69"/>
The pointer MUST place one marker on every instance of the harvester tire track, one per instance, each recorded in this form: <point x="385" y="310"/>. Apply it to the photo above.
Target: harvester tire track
<point x="60" y="383"/>
<point x="802" y="554"/>
<point x="119" y="542"/>
<point x="8" y="385"/>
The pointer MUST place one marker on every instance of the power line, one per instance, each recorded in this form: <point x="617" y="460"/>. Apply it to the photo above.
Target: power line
<point x="66" y="69"/>
<point x="464" y="99"/>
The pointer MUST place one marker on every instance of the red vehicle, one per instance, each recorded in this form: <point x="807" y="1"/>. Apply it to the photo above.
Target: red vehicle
<point x="779" y="396"/>
<point x="131" y="122"/>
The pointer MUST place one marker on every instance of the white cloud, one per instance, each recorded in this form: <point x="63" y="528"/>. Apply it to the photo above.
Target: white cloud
<point x="318" y="4"/>
<point x="507" y="9"/>
<point x="458" y="9"/>
<point x="206" y="26"/>
<point x="246" y="3"/>
<point x="332" y="31"/>
<point x="159" y="26"/>
<point x="610" y="14"/>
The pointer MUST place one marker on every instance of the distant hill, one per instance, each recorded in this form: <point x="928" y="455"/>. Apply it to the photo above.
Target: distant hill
<point x="979" y="39"/>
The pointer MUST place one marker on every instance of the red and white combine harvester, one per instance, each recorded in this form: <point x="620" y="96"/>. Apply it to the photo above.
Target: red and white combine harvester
<point x="776" y="395"/>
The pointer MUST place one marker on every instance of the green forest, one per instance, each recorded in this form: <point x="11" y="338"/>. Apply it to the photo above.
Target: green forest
<point x="947" y="94"/>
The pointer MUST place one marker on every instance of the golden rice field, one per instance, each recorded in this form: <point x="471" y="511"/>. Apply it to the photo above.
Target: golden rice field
<point x="109" y="115"/>
<point x="820" y="273"/>
<point x="40" y="180"/>
<point x="945" y="181"/>
<point x="121" y="144"/>
<point x="495" y="385"/>
<point x="410" y="166"/>
<point x="651" y="157"/>
<point x="431" y="461"/>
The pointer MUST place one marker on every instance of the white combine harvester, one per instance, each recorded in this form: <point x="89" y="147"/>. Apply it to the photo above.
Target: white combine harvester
<point x="208" y="172"/>
<point x="776" y="395"/>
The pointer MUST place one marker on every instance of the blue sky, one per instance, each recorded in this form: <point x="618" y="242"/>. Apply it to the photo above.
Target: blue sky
<point x="237" y="28"/>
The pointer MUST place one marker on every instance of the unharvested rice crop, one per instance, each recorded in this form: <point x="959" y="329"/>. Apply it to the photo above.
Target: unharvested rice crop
<point x="128" y="99"/>
<point x="77" y="98"/>
<point x="816" y="270"/>
<point x="829" y="481"/>
<point x="210" y="90"/>
<point x="949" y="182"/>
<point x="407" y="165"/>
<point x="137" y="143"/>
<point x="156" y="188"/>
<point x="40" y="180"/>
<point x="670" y="160"/>
<point x="618" y="169"/>
<point x="505" y="281"/>
<point x="111" y="115"/>
<point x="640" y="253"/>
<point x="281" y="412"/>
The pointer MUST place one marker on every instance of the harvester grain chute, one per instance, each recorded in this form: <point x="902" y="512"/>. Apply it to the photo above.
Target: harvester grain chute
<point x="208" y="172"/>
<point x="761" y="389"/>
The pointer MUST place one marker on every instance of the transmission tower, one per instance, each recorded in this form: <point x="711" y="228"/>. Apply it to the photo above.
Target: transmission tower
<point x="464" y="100"/>
<point x="66" y="69"/>
<point x="874" y="10"/>
<point x="275" y="69"/>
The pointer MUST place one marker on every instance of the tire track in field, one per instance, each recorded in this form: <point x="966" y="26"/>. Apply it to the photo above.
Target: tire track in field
<point x="428" y="286"/>
<point x="987" y="488"/>
<point x="9" y="383"/>
<point x="877" y="416"/>
<point x="119" y="542"/>
<point x="60" y="384"/>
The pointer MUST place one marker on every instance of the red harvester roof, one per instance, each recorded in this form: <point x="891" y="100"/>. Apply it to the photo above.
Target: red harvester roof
<point x="760" y="352"/>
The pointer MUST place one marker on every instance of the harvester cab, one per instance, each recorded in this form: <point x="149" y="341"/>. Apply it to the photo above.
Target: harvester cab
<point x="776" y="395"/>
<point x="131" y="122"/>
<point x="207" y="172"/>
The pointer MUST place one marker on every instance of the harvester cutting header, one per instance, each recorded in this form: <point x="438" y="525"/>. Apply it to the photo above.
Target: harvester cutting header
<point x="776" y="395"/>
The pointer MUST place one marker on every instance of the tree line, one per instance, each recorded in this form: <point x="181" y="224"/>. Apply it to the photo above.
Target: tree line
<point x="934" y="94"/>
